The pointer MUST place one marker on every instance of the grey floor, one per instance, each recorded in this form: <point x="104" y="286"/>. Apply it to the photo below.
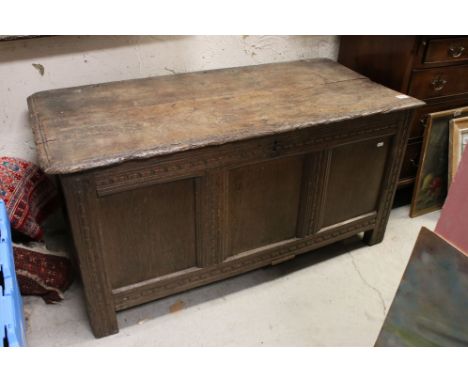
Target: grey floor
<point x="335" y="296"/>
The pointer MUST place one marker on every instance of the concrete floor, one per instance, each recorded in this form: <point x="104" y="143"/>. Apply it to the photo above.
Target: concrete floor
<point x="335" y="296"/>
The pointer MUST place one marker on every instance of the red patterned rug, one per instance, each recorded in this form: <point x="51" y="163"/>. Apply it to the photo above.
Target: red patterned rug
<point x="29" y="195"/>
<point x="41" y="272"/>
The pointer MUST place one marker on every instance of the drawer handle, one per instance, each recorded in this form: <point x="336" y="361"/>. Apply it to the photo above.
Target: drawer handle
<point x="456" y="51"/>
<point x="438" y="83"/>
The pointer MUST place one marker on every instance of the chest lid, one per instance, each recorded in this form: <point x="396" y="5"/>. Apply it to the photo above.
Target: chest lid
<point x="92" y="126"/>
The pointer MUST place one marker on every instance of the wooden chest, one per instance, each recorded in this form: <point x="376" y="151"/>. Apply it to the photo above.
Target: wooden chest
<point x="177" y="181"/>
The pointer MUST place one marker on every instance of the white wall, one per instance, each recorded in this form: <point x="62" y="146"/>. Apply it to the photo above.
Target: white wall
<point x="79" y="60"/>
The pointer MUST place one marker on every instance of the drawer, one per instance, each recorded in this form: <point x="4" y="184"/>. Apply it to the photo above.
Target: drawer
<point x="439" y="82"/>
<point x="411" y="161"/>
<point x="446" y="50"/>
<point x="419" y="118"/>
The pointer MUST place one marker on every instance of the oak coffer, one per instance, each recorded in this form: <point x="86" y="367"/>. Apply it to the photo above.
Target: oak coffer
<point x="177" y="181"/>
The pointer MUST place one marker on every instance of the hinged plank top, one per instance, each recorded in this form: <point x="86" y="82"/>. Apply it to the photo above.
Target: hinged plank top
<point x="87" y="127"/>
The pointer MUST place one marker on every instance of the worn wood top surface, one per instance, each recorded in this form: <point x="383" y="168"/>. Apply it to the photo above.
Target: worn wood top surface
<point x="86" y="127"/>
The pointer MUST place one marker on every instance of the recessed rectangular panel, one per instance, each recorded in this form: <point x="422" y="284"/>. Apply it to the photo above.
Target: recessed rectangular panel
<point x="355" y="177"/>
<point x="263" y="203"/>
<point x="148" y="232"/>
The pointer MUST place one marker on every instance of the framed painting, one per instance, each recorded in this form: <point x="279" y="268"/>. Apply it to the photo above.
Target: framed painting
<point x="458" y="139"/>
<point x="431" y="304"/>
<point x="430" y="189"/>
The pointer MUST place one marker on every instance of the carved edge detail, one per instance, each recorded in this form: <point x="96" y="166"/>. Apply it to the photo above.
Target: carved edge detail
<point x="314" y="180"/>
<point x="316" y="186"/>
<point x="185" y="164"/>
<point x="209" y="201"/>
<point x="96" y="286"/>
<point x="391" y="178"/>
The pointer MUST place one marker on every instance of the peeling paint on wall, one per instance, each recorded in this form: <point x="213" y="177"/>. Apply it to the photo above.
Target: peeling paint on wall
<point x="81" y="60"/>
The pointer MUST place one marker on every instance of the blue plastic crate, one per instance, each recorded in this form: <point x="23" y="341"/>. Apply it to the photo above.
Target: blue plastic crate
<point x="11" y="304"/>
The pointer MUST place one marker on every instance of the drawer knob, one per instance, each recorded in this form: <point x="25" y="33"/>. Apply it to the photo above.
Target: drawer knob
<point x="456" y="51"/>
<point x="438" y="83"/>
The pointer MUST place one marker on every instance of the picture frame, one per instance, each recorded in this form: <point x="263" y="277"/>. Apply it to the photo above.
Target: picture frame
<point x="458" y="139"/>
<point x="431" y="183"/>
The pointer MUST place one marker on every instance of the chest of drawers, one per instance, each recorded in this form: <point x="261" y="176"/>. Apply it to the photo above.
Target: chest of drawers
<point x="177" y="181"/>
<point x="431" y="68"/>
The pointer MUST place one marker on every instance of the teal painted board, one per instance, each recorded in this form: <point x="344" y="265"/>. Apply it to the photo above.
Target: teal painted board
<point x="431" y="305"/>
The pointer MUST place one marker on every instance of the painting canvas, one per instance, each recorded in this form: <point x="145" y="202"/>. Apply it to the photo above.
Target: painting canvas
<point x="431" y="304"/>
<point x="458" y="139"/>
<point x="454" y="215"/>
<point x="432" y="178"/>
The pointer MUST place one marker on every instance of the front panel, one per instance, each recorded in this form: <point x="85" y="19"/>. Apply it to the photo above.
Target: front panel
<point x="355" y="177"/>
<point x="263" y="203"/>
<point x="148" y="232"/>
<point x="167" y="225"/>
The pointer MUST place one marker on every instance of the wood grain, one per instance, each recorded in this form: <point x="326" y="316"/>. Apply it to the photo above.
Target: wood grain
<point x="315" y="179"/>
<point x="447" y="50"/>
<point x="453" y="80"/>
<point x="92" y="126"/>
<point x="148" y="232"/>
<point x="350" y="196"/>
<point x="263" y="203"/>
<point x="390" y="181"/>
<point x="84" y="220"/>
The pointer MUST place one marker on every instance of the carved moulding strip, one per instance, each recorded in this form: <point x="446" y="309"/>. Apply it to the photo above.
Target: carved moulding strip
<point x="149" y="290"/>
<point x="81" y="206"/>
<point x="391" y="178"/>
<point x="135" y="174"/>
<point x="314" y="183"/>
<point x="209" y="193"/>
